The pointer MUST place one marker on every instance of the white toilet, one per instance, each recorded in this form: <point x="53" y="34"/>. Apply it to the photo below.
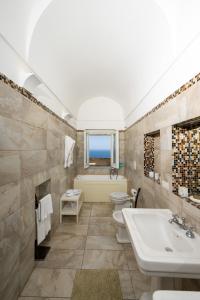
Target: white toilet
<point x="122" y="199"/>
<point x="122" y="235"/>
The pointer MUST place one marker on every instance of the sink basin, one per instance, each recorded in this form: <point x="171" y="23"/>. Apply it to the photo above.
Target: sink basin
<point x="161" y="248"/>
<point x="176" y="295"/>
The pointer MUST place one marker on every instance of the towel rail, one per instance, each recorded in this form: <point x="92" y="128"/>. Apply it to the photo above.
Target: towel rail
<point x="40" y="251"/>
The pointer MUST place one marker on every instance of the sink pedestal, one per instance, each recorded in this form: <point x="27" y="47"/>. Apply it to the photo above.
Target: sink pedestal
<point x="165" y="283"/>
<point x="162" y="283"/>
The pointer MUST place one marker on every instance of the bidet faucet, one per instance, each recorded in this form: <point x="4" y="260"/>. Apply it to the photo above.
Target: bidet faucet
<point x="176" y="219"/>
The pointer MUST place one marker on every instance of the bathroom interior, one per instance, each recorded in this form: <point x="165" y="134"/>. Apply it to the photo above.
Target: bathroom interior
<point x="99" y="150"/>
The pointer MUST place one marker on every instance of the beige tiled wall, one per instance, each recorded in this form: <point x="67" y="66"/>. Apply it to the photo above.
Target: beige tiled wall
<point x="96" y="170"/>
<point x="182" y="108"/>
<point x="31" y="151"/>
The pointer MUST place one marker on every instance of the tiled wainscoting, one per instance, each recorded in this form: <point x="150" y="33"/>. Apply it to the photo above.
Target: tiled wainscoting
<point x="31" y="152"/>
<point x="181" y="108"/>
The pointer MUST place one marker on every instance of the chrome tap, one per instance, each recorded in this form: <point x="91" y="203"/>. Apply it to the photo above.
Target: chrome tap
<point x="189" y="233"/>
<point x="179" y="221"/>
<point x="113" y="172"/>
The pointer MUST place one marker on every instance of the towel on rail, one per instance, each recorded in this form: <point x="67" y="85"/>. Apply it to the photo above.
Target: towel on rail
<point x="69" y="148"/>
<point x="43" y="217"/>
<point x="46" y="207"/>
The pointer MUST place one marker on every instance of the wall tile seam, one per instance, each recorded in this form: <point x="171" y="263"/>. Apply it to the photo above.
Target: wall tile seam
<point x="172" y="96"/>
<point x="28" y="95"/>
<point x="24" y="122"/>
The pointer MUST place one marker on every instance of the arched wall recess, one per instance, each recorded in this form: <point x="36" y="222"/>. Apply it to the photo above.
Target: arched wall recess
<point x="95" y="51"/>
<point x="100" y="113"/>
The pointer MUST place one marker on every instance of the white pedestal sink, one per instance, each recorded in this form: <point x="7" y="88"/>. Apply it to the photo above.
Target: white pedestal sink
<point x="176" y="295"/>
<point x="162" y="249"/>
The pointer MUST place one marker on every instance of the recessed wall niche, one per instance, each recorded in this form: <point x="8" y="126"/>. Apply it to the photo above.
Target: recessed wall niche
<point x="43" y="189"/>
<point x="186" y="154"/>
<point x="152" y="153"/>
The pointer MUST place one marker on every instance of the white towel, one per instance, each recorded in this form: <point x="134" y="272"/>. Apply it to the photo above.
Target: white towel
<point x="72" y="192"/>
<point x="40" y="225"/>
<point x="69" y="148"/>
<point x="47" y="224"/>
<point x="43" y="217"/>
<point x="46" y="207"/>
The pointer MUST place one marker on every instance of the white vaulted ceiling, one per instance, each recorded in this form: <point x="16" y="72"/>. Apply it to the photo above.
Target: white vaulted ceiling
<point x="129" y="51"/>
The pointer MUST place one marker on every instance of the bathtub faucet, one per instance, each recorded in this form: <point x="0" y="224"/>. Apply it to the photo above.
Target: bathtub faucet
<point x="113" y="172"/>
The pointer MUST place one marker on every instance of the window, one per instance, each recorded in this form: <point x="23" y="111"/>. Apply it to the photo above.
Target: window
<point x="101" y="148"/>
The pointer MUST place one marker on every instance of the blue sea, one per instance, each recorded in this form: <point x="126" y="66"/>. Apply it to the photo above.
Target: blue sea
<point x="99" y="153"/>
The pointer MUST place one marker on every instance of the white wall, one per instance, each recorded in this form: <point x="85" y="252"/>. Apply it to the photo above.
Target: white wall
<point x="100" y="113"/>
<point x="185" y="67"/>
<point x="134" y="52"/>
<point x="16" y="69"/>
<point x="11" y="64"/>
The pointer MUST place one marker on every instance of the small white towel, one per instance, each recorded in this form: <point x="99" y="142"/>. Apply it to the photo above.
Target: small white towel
<point x="46" y="207"/>
<point x="40" y="227"/>
<point x="69" y="148"/>
<point x="43" y="217"/>
<point x="47" y="224"/>
<point x="72" y="192"/>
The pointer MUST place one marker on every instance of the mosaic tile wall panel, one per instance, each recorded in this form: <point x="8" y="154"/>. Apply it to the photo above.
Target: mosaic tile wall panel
<point x="157" y="153"/>
<point x="186" y="150"/>
<point x="148" y="154"/>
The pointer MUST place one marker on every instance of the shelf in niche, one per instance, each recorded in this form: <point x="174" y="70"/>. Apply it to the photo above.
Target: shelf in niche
<point x="152" y="179"/>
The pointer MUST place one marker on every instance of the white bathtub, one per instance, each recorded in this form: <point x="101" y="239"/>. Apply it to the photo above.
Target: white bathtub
<point x="97" y="188"/>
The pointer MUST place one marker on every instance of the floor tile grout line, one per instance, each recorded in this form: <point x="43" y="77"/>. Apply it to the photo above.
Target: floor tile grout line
<point x="86" y="237"/>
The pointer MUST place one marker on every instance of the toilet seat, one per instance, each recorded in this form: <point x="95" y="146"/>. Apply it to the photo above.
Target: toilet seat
<point x="119" y="195"/>
<point x="119" y="201"/>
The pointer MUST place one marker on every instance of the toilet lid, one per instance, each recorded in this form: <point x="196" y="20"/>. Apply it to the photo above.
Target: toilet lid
<point x="119" y="195"/>
<point x="117" y="215"/>
<point x="119" y="201"/>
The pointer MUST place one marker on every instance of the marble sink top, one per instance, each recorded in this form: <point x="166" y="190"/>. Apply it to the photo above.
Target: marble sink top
<point x="161" y="248"/>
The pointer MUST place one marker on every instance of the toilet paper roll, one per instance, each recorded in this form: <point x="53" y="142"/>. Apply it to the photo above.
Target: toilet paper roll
<point x="133" y="192"/>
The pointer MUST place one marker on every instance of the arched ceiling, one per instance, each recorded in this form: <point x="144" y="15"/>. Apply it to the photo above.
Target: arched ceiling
<point x="117" y="49"/>
<point x="92" y="48"/>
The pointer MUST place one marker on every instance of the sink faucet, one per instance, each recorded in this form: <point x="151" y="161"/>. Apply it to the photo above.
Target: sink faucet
<point x="176" y="219"/>
<point x="113" y="172"/>
<point x="181" y="223"/>
<point x="190" y="232"/>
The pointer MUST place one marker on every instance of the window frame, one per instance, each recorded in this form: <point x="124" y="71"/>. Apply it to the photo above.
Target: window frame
<point x="114" y="146"/>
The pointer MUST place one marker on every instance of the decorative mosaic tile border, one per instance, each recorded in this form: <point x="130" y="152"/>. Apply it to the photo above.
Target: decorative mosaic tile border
<point x="30" y="97"/>
<point x="179" y="91"/>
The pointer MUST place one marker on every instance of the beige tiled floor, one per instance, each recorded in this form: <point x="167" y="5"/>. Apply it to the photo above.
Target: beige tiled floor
<point x="89" y="245"/>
